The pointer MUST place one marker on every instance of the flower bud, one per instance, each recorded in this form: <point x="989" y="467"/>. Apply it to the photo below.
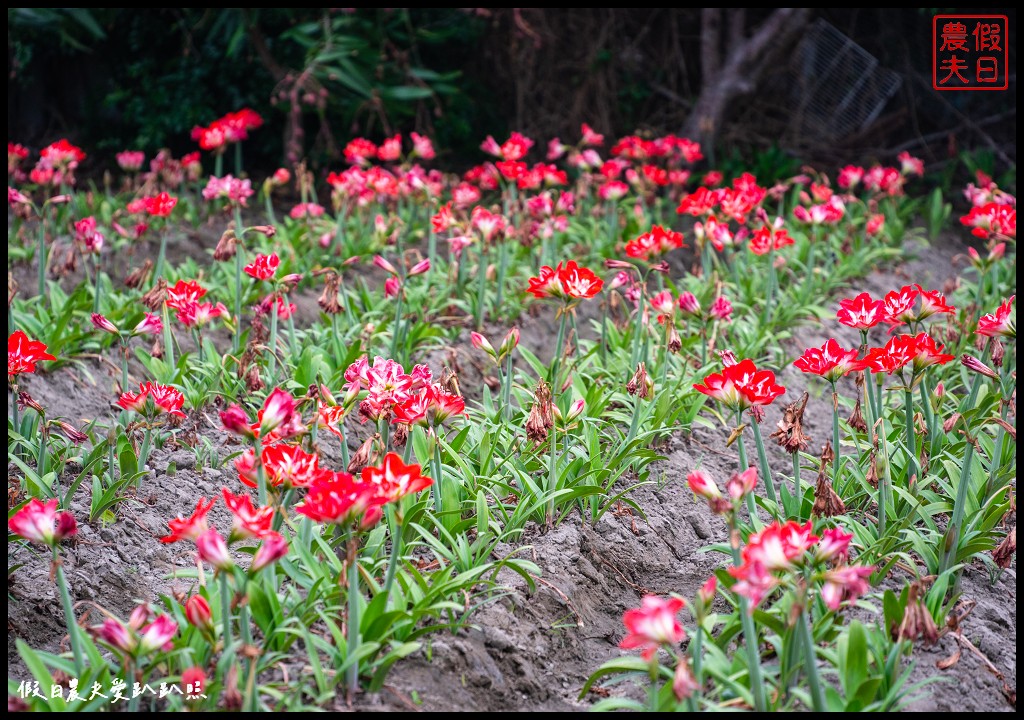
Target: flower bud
<point x="975" y="365"/>
<point x="198" y="613"/>
<point x="104" y="324"/>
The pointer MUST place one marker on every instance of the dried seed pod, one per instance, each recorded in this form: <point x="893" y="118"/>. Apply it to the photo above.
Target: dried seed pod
<point x="827" y="502"/>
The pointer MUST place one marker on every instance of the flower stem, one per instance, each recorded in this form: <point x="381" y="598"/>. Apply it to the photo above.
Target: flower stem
<point x="158" y="272"/>
<point x="762" y="456"/>
<point x="352" y="673"/>
<point x="396" y="329"/>
<point x="96" y="288"/>
<point x="147" y="438"/>
<point x="559" y="347"/>
<point x="238" y="160"/>
<point x="741" y="449"/>
<point x="41" y="255"/>
<point x="552" y="476"/>
<point x="168" y="340"/>
<point x="798" y="492"/>
<point x="813" y="679"/>
<point x="238" y="300"/>
<point x="481" y="290"/>
<point x="225" y="610"/>
<point x="435" y="488"/>
<point x="913" y="469"/>
<point x="261" y="475"/>
<point x="506" y="400"/>
<point x="69" y="614"/>
<point x="835" y="437"/>
<point x="124" y="366"/>
<point x="272" y="358"/>
<point x="397" y="529"/>
<point x="749" y="637"/>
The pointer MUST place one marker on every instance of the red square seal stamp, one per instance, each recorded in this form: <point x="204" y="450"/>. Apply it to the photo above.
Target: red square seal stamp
<point x="970" y="52"/>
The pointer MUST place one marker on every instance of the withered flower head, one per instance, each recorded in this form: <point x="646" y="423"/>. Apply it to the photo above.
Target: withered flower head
<point x="951" y="422"/>
<point x="157" y="350"/>
<point x="27" y="401"/>
<point x="1003" y="554"/>
<point x="268" y="230"/>
<point x="790" y="435"/>
<point x="998" y="351"/>
<point x="156" y="296"/>
<point x="367" y="454"/>
<point x="328" y="299"/>
<point x="231" y="698"/>
<point x="757" y="413"/>
<point x="675" y="343"/>
<point x="640" y="384"/>
<point x="872" y="474"/>
<point x="253" y="381"/>
<point x="400" y="435"/>
<point x="450" y="381"/>
<point x="917" y="620"/>
<point x="827" y="502"/>
<point x="227" y="247"/>
<point x="138" y="276"/>
<point x="856" y="420"/>
<point x="541" y="417"/>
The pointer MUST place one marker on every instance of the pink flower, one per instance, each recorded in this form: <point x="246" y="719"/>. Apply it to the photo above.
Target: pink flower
<point x="702" y="485"/>
<point x="158" y="635"/>
<point x="689" y="304"/>
<point x="191" y="528"/>
<point x="830" y="361"/>
<point x="834" y="545"/>
<point x="306" y="210"/>
<point x="721" y="308"/>
<point x="422" y="147"/>
<point x="910" y="165"/>
<point x="236" y="421"/>
<point x="41" y="523"/>
<point x="742" y="484"/>
<point x="845" y="584"/>
<point x="131" y="160"/>
<point x="653" y="624"/>
<point x="149" y="325"/>
<point x="214" y="550"/>
<point x="198" y="613"/>
<point x="278" y="410"/>
<point x="273" y="548"/>
<point x="1001" y="323"/>
<point x="234" y="190"/>
<point x="102" y="323"/>
<point x="248" y="522"/>
<point x="263" y="267"/>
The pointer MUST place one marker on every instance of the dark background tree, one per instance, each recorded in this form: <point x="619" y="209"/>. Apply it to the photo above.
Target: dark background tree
<point x="740" y="80"/>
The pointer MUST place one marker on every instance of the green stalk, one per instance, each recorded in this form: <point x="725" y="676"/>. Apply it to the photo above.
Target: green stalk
<point x="435" y="488"/>
<point x="15" y="418"/>
<point x="268" y="203"/>
<point x="797" y="490"/>
<point x="41" y="255"/>
<point x="272" y="358"/>
<point x="506" y="400"/>
<point x="559" y="347"/>
<point x="147" y="439"/>
<point x="770" y="301"/>
<point x="552" y="476"/>
<point x="803" y="627"/>
<point x="742" y="450"/>
<point x="929" y="415"/>
<point x="124" y="365"/>
<point x="997" y="455"/>
<point x="261" y="476"/>
<point x="225" y="610"/>
<point x="218" y="163"/>
<point x="604" y="330"/>
<point x="396" y="329"/>
<point x="41" y="458"/>
<point x="952" y="537"/>
<point x="913" y="468"/>
<point x="291" y="327"/>
<point x="835" y="437"/>
<point x="502" y="270"/>
<point x="652" y="687"/>
<point x="96" y="287"/>
<point x="69" y="614"/>
<point x="696" y="648"/>
<point x="750" y="637"/>
<point x="766" y="471"/>
<point x="238" y="289"/>
<point x="352" y="673"/>
<point x="246" y="632"/>
<point x="397" y="531"/>
<point x="161" y="255"/>
<point x="168" y="340"/>
<point x="481" y="286"/>
<point x="238" y="160"/>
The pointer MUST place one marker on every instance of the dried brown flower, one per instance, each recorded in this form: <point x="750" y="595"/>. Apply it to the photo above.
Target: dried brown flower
<point x="790" y="435"/>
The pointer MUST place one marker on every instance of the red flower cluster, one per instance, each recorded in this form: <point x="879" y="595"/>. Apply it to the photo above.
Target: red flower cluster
<point x="233" y="127"/>
<point x="1001" y="323"/>
<point x="733" y="203"/>
<point x="571" y="283"/>
<point x="153" y="399"/>
<point x="741" y="386"/>
<point x="918" y="351"/>
<point x="263" y="267"/>
<point x="896" y="308"/>
<point x="991" y="220"/>
<point x="23" y="354"/>
<point x="184" y="298"/>
<point x="654" y="242"/>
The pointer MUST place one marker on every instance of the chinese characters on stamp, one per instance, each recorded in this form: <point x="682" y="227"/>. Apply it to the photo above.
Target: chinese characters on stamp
<point x="969" y="52"/>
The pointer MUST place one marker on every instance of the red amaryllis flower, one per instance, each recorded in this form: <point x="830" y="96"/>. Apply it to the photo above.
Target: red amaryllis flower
<point x="845" y="584"/>
<point x="742" y="484"/>
<point x="899" y="352"/>
<point x="578" y="282"/>
<point x="159" y="205"/>
<point x="394" y="479"/>
<point x="653" y="624"/>
<point x="653" y="243"/>
<point x="196" y="314"/>
<point x="834" y="545"/>
<point x="701" y="484"/>
<point x="992" y="219"/>
<point x="116" y="634"/>
<point x="753" y="581"/>
<point x="214" y="550"/>
<point x="768" y="239"/>
<point x="874" y="224"/>
<point x="861" y="312"/>
<point x="546" y="284"/>
<point x="192" y="527"/>
<point x="273" y="548"/>
<point x="932" y="303"/>
<point x="130" y="160"/>
<point x="928" y="353"/>
<point x="149" y="325"/>
<point x="194" y="681"/>
<point x="153" y="399"/>
<point x="776" y="546"/>
<point x="721" y="309"/>
<point x="263" y="267"/>
<point x="830" y="361"/>
<point x="331" y="418"/>
<point x="898" y="305"/>
<point x="235" y="421"/>
<point x="198" y="613"/>
<point x="41" y="523"/>
<point x="248" y="521"/>
<point x="290" y="466"/>
<point x="338" y="498"/>
<point x="157" y="635"/>
<point x="741" y="385"/>
<point x="278" y="417"/>
<point x="184" y="293"/>
<point x="23" y="354"/>
<point x="1000" y="323"/>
